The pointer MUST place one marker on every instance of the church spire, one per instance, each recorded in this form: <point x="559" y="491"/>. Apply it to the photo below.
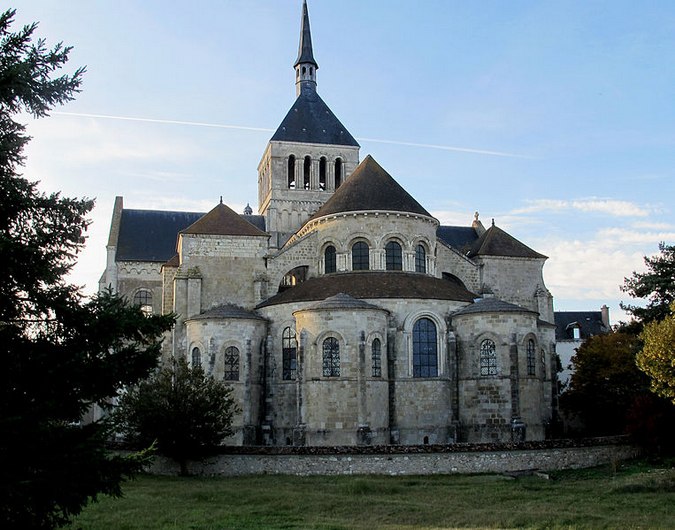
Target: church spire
<point x="305" y="65"/>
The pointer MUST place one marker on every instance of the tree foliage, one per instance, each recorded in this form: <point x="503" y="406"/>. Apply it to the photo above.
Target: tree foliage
<point x="185" y="412"/>
<point x="60" y="353"/>
<point x="657" y="357"/>
<point x="657" y="285"/>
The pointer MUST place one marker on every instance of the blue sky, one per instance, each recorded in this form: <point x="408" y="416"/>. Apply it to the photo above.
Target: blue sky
<point x="557" y="118"/>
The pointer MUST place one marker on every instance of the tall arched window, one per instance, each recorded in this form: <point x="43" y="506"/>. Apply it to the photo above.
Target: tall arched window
<point x="330" y="259"/>
<point x="531" y="360"/>
<point x="394" y="256"/>
<point x="488" y="358"/>
<point x="331" y="357"/>
<point x="425" y="349"/>
<point x="360" y="256"/>
<point x="420" y="259"/>
<point x="377" y="358"/>
<point x="143" y="299"/>
<point x="338" y="172"/>
<point x="322" y="173"/>
<point x="196" y="357"/>
<point x="289" y="350"/>
<point x="306" y="172"/>
<point x="231" y="372"/>
<point x="291" y="172"/>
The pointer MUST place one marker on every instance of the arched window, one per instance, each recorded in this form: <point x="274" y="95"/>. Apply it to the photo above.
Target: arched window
<point x="420" y="259"/>
<point x="322" y="173"/>
<point x="307" y="171"/>
<point x="394" y="256"/>
<point x="338" y="172"/>
<point x="377" y="358"/>
<point x="331" y="357"/>
<point x="425" y="351"/>
<point x="291" y="172"/>
<point x="143" y="299"/>
<point x="289" y="350"/>
<point x="488" y="358"/>
<point x="330" y="259"/>
<point x="531" y="362"/>
<point x="196" y="357"/>
<point x="231" y="372"/>
<point x="360" y="256"/>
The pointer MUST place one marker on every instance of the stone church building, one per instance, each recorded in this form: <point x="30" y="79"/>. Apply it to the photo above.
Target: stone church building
<point x="344" y="313"/>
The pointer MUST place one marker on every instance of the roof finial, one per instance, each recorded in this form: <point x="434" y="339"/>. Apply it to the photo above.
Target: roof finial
<point x="248" y="210"/>
<point x="493" y="221"/>
<point x="221" y="199"/>
<point x="305" y="65"/>
<point x="475" y="216"/>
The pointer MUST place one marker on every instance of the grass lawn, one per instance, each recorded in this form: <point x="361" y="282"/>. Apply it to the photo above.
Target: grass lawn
<point x="634" y="496"/>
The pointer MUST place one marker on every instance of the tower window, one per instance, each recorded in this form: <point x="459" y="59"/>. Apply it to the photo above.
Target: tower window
<point x="425" y="352"/>
<point x="304" y="70"/>
<point x="531" y="364"/>
<point x="360" y="256"/>
<point x="488" y="358"/>
<point x="322" y="173"/>
<point x="331" y="357"/>
<point x="394" y="256"/>
<point x="377" y="358"/>
<point x="231" y="372"/>
<point x="338" y="173"/>
<point x="291" y="172"/>
<point x="329" y="258"/>
<point x="307" y="171"/>
<point x="420" y="259"/>
<point x="289" y="350"/>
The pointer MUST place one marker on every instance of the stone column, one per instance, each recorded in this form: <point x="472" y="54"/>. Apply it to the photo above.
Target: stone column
<point x="300" y="429"/>
<point x="394" y="434"/>
<point x="363" y="435"/>
<point x="249" y="437"/>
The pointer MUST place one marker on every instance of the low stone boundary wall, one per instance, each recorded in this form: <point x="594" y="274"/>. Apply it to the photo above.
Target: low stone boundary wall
<point x="332" y="461"/>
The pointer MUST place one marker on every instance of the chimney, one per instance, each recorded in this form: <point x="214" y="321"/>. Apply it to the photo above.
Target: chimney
<point x="605" y="316"/>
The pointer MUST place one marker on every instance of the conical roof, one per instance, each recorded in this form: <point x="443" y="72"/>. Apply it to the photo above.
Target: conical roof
<point x="223" y="221"/>
<point x="496" y="242"/>
<point x="305" y="52"/>
<point x="370" y="188"/>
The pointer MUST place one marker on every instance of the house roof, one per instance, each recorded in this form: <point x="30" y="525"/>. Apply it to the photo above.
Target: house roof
<point x="460" y="238"/>
<point x="223" y="221"/>
<point x="492" y="305"/>
<point x="370" y="188"/>
<point x="589" y="323"/>
<point x="311" y="121"/>
<point x="370" y="284"/>
<point x="496" y="242"/>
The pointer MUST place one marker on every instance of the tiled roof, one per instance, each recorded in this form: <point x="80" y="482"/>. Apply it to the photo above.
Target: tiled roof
<point x="496" y="242"/>
<point x="492" y="305"/>
<point x="341" y="301"/>
<point x="227" y="311"/>
<point x="370" y="284"/>
<point x="223" y="221"/>
<point x="589" y="324"/>
<point x="311" y="121"/>
<point x="370" y="188"/>
<point x="461" y="238"/>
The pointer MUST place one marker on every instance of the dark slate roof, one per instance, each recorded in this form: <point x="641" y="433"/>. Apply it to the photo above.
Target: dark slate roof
<point x="341" y="301"/>
<point x="370" y="188"/>
<point x="589" y="322"/>
<point x="150" y="235"/>
<point x="370" y="284"/>
<point x="223" y="221"/>
<point x="460" y="238"/>
<point x="311" y="121"/>
<point x="496" y="242"/>
<point x="305" y="53"/>
<point x="492" y="305"/>
<point x="227" y="311"/>
<point x="256" y="220"/>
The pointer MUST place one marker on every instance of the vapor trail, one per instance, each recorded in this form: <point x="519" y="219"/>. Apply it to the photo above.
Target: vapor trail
<point x="262" y="129"/>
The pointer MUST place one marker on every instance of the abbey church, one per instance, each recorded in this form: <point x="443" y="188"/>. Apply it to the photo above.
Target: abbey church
<point x="344" y="313"/>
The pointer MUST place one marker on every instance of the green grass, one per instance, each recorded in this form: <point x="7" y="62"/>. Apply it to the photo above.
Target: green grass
<point x="633" y="496"/>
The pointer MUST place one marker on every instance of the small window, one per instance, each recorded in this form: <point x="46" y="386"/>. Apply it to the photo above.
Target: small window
<point x="488" y="358"/>
<point x="420" y="259"/>
<point x="330" y="259"/>
<point x="304" y="70"/>
<point x="289" y="350"/>
<point x="394" y="256"/>
<point x="196" y="357"/>
<point x="425" y="352"/>
<point x="531" y="363"/>
<point x="331" y="357"/>
<point x="576" y="333"/>
<point x="338" y="172"/>
<point x="360" y="256"/>
<point x="231" y="372"/>
<point x="143" y="299"/>
<point x="307" y="171"/>
<point x="377" y="358"/>
<point x="291" y="172"/>
<point x="322" y="173"/>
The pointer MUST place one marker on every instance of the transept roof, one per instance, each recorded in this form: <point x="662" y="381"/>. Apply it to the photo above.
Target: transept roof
<point x="496" y="242"/>
<point x="223" y="221"/>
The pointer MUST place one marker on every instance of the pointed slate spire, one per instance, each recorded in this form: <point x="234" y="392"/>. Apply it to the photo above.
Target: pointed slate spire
<point x="305" y="65"/>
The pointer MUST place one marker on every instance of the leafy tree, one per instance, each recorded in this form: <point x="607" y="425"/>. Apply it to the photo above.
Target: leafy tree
<point x="184" y="411"/>
<point x="60" y="353"/>
<point x="656" y="285"/>
<point x="657" y="357"/>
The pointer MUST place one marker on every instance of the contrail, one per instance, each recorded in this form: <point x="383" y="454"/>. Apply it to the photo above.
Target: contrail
<point x="262" y="129"/>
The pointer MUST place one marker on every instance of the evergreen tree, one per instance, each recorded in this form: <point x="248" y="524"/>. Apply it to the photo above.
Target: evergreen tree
<point x="60" y="353"/>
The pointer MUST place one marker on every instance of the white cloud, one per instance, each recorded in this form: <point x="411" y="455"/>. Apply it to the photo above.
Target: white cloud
<point x="611" y="207"/>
